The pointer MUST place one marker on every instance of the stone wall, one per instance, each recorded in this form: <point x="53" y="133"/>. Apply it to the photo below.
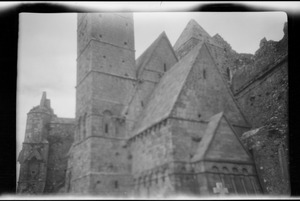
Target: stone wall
<point x="270" y="151"/>
<point x="60" y="138"/>
<point x="187" y="47"/>
<point x="78" y="168"/>
<point x="186" y="135"/>
<point x="205" y="94"/>
<point x="265" y="101"/>
<point x="263" y="60"/>
<point x="237" y="178"/>
<point x="151" y="151"/>
<point x="261" y="89"/>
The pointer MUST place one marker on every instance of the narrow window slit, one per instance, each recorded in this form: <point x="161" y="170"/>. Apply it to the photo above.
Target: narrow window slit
<point x="106" y="128"/>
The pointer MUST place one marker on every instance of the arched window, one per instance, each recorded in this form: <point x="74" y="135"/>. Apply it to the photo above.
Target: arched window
<point x="235" y="170"/>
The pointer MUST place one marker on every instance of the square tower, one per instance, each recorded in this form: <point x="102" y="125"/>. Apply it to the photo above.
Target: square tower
<point x="105" y="82"/>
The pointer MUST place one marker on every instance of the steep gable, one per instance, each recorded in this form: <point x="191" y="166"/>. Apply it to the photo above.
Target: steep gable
<point x="184" y="92"/>
<point x="162" y="42"/>
<point x="221" y="143"/>
<point x="165" y="95"/>
<point x="192" y="30"/>
<point x="192" y="35"/>
<point x="205" y="93"/>
<point x="157" y="58"/>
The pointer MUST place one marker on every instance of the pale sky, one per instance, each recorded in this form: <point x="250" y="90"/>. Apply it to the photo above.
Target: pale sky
<point x="47" y="49"/>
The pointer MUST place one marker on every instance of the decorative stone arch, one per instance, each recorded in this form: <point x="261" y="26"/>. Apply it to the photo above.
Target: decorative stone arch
<point x="225" y="170"/>
<point x="215" y="169"/>
<point x="245" y="171"/>
<point x="235" y="170"/>
<point x="107" y="123"/>
<point x="216" y="174"/>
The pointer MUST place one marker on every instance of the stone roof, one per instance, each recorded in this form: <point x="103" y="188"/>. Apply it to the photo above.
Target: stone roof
<point x="165" y="95"/>
<point x="208" y="136"/>
<point x="146" y="55"/>
<point x="192" y="30"/>
<point x="233" y="147"/>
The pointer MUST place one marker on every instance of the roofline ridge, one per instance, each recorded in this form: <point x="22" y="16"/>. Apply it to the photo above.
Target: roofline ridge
<point x="238" y="138"/>
<point x="139" y="130"/>
<point x="219" y="116"/>
<point x="206" y="133"/>
<point x="229" y="90"/>
<point x="154" y="43"/>
<point x="197" y="48"/>
<point x="169" y="43"/>
<point x="192" y="23"/>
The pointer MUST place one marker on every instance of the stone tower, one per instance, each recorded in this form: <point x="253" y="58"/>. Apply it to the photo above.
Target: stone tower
<point x="105" y="81"/>
<point x="34" y="155"/>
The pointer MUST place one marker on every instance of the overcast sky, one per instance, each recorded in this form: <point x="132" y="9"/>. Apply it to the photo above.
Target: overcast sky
<point x="47" y="49"/>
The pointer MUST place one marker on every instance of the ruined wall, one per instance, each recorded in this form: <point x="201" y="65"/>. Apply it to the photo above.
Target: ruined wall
<point x="33" y="157"/>
<point x="266" y="104"/>
<point x="265" y="100"/>
<point x="60" y="138"/>
<point x="270" y="151"/>
<point x="263" y="60"/>
<point x="262" y="93"/>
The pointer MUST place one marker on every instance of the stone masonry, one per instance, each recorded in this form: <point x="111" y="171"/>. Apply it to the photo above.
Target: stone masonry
<point x="195" y="119"/>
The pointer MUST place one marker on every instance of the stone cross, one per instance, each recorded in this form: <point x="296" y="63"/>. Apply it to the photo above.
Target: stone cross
<point x="220" y="189"/>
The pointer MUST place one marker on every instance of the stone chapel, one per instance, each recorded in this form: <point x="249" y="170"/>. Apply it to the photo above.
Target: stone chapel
<point x="165" y="124"/>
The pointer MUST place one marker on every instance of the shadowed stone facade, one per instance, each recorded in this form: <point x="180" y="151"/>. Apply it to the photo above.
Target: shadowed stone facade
<point x="169" y="123"/>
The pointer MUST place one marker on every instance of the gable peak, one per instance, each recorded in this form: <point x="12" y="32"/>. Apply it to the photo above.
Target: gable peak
<point x="193" y="22"/>
<point x="216" y="117"/>
<point x="192" y="30"/>
<point x="163" y="34"/>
